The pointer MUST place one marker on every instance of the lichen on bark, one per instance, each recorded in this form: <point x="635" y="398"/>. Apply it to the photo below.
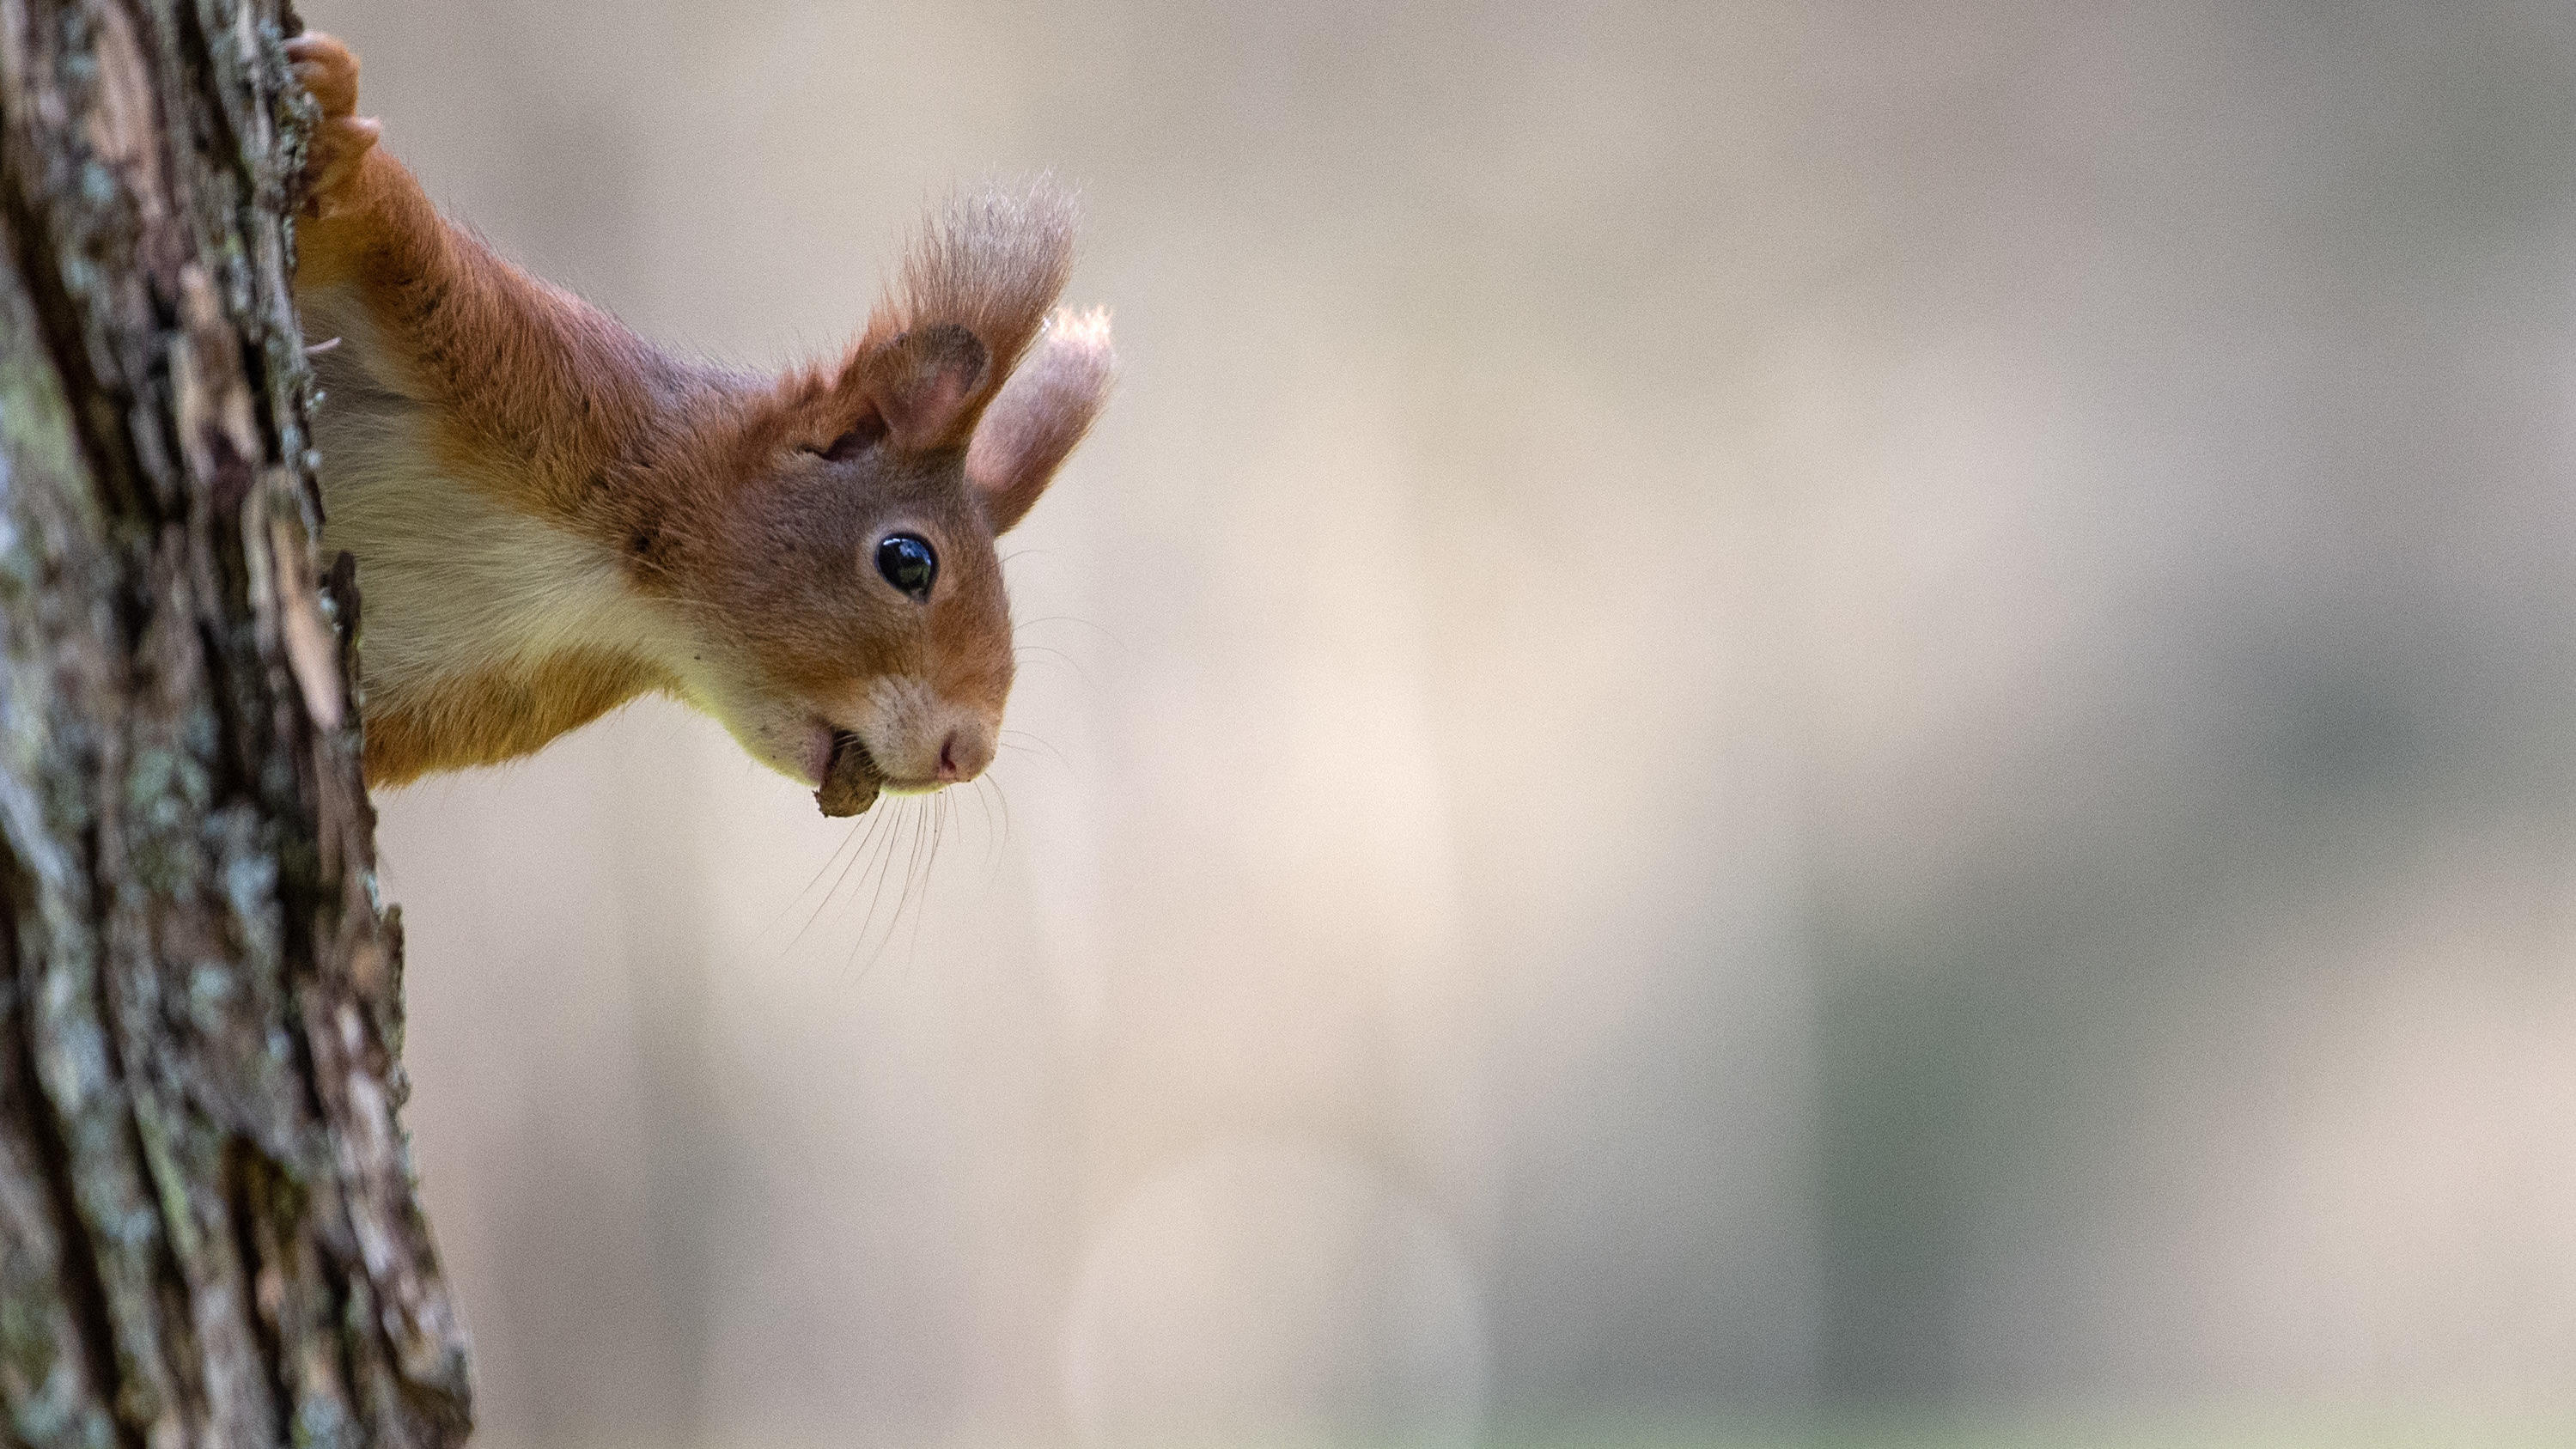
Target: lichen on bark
<point x="209" y="1229"/>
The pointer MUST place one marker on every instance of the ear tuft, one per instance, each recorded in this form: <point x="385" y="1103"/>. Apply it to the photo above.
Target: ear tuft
<point x="986" y="267"/>
<point x="1043" y="410"/>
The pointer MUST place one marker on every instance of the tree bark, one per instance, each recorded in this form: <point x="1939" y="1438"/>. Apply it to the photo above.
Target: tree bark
<point x="209" y="1232"/>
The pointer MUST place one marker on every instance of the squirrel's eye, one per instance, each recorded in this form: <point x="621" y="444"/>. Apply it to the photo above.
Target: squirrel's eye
<point x="907" y="563"/>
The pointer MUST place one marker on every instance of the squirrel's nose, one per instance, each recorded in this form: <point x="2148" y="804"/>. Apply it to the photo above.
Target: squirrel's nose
<point x="964" y="754"/>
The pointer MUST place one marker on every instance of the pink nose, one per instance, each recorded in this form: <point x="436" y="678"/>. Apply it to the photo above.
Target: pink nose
<point x="963" y="755"/>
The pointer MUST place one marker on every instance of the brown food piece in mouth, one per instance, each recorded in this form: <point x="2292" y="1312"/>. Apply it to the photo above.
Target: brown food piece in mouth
<point x="849" y="777"/>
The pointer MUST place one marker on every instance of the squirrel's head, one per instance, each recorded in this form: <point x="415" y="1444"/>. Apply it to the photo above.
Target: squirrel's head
<point x="850" y="588"/>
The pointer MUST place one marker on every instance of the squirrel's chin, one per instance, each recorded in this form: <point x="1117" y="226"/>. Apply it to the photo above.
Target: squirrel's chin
<point x="814" y="754"/>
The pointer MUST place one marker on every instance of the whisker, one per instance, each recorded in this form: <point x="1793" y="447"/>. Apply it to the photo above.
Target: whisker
<point x="1026" y="750"/>
<point x="999" y="854"/>
<point x="1102" y="630"/>
<point x="1004" y="796"/>
<point x="860" y="854"/>
<point x="992" y="851"/>
<point x="912" y="861"/>
<point x="929" y="864"/>
<point x="1004" y="739"/>
<point x="884" y="868"/>
<point x="1022" y="651"/>
<point x="849" y="836"/>
<point x="858" y="831"/>
<point x="918" y="813"/>
<point x="789" y="908"/>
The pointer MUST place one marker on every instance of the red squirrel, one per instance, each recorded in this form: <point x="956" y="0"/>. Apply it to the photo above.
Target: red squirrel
<point x="551" y="516"/>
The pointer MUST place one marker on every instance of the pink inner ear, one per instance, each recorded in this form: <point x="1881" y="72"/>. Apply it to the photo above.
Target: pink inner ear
<point x="1043" y="410"/>
<point x="924" y="385"/>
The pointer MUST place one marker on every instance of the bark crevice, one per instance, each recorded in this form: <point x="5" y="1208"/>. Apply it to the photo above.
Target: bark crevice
<point x="53" y="1305"/>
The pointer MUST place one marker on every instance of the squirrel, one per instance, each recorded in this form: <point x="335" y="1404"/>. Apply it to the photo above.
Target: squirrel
<point x="551" y="516"/>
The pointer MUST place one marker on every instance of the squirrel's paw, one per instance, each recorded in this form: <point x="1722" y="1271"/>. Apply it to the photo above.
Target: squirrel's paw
<point x="329" y="70"/>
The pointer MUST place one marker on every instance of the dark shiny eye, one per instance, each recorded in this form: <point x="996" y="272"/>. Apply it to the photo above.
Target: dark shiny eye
<point x="907" y="563"/>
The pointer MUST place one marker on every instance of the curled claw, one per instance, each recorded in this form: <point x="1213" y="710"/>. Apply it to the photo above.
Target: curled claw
<point x="329" y="70"/>
<point x="849" y="778"/>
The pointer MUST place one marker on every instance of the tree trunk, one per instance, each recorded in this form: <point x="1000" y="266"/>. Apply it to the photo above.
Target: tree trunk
<point x="209" y="1234"/>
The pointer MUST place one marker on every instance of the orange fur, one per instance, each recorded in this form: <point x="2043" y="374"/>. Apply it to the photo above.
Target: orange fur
<point x="499" y="714"/>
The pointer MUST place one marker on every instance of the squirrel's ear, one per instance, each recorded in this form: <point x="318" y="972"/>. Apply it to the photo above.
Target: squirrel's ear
<point x="1041" y="412"/>
<point x="969" y="296"/>
<point x="922" y="384"/>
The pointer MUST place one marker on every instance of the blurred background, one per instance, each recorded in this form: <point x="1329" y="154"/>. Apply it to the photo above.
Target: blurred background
<point x="1759" y="724"/>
